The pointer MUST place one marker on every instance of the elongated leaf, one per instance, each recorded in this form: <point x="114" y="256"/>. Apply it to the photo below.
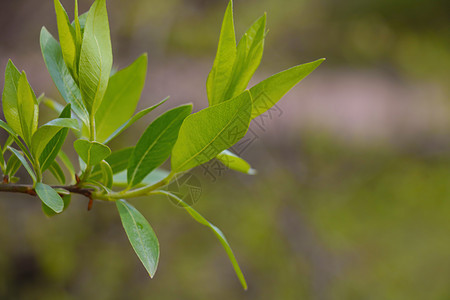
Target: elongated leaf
<point x="78" y="33"/>
<point x="121" y="98"/>
<point x="16" y="139"/>
<point x="28" y="108"/>
<point x="91" y="152"/>
<point x="120" y="179"/>
<point x="47" y="131"/>
<point x="57" y="172"/>
<point x="269" y="91"/>
<point x="24" y="162"/>
<point x="107" y="174"/>
<point x="51" y="147"/>
<point x="222" y="69"/>
<point x="2" y="161"/>
<point x="155" y="145"/>
<point x="12" y="166"/>
<point x="50" y="212"/>
<point x="9" y="98"/>
<point x="199" y="218"/>
<point x="52" y="53"/>
<point x="141" y="236"/>
<point x="67" y="163"/>
<point x="248" y="58"/>
<point x="49" y="197"/>
<point x="67" y="39"/>
<point x="131" y="121"/>
<point x="234" y="162"/>
<point x="96" y="57"/>
<point x="205" y="134"/>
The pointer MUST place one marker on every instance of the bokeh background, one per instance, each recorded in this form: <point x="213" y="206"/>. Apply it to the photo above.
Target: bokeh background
<point x="352" y="195"/>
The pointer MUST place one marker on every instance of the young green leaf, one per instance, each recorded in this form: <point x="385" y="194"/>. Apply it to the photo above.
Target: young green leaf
<point x="53" y="57"/>
<point x="269" y="91"/>
<point x="50" y="212"/>
<point x="57" y="172"/>
<point x="155" y="145"/>
<point x="9" y="98"/>
<point x="234" y="162"/>
<point x="67" y="163"/>
<point x="2" y="161"/>
<point x="96" y="57"/>
<point x="52" y="146"/>
<point x="78" y="33"/>
<point x="141" y="236"/>
<point x="24" y="162"/>
<point x="49" y="197"/>
<point x="28" y="108"/>
<point x="16" y="139"/>
<point x="200" y="219"/>
<point x="91" y="152"/>
<point x="67" y="39"/>
<point x="249" y="55"/>
<point x="107" y="174"/>
<point x="131" y="121"/>
<point x="218" y="78"/>
<point x="121" y="98"/>
<point x="205" y="134"/>
<point x="12" y="166"/>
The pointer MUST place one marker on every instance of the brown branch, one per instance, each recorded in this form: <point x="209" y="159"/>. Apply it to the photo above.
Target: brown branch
<point x="28" y="189"/>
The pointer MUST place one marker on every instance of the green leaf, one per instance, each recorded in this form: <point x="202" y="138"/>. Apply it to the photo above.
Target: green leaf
<point x="249" y="55"/>
<point x="57" y="172"/>
<point x="141" y="236"/>
<point x="222" y="69"/>
<point x="155" y="145"/>
<point x="67" y="39"/>
<point x="16" y="139"/>
<point x="91" y="152"/>
<point x="120" y="179"/>
<point x="53" y="57"/>
<point x="9" y="98"/>
<point x="49" y="212"/>
<point x="78" y="33"/>
<point x="24" y="162"/>
<point x="47" y="131"/>
<point x="269" y="91"/>
<point x="49" y="197"/>
<point x="107" y="174"/>
<point x="28" y="108"/>
<point x="96" y="57"/>
<point x="200" y="219"/>
<point x="118" y="161"/>
<point x="67" y="163"/>
<point x="12" y="166"/>
<point x="121" y="98"/>
<point x="51" y="147"/>
<point x="234" y="162"/>
<point x="2" y="161"/>
<point x="131" y="121"/>
<point x="205" y="134"/>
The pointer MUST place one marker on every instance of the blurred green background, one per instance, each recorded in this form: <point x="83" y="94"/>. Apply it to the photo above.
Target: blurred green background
<point x="352" y="195"/>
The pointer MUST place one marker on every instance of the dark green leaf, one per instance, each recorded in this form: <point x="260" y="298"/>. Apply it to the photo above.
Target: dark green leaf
<point x="155" y="145"/>
<point x="141" y="236"/>
<point x="16" y="139"/>
<point x="49" y="197"/>
<point x="57" y="172"/>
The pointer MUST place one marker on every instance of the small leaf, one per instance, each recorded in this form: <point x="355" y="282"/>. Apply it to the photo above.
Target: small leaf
<point x="107" y="174"/>
<point x="57" y="172"/>
<point x="269" y="91"/>
<point x="9" y="98"/>
<point x="205" y="134"/>
<point x="155" y="145"/>
<point x="96" y="57"/>
<point x="222" y="69"/>
<point x="91" y="152"/>
<point x="234" y="162"/>
<point x="131" y="121"/>
<point x="118" y="161"/>
<point x="52" y="53"/>
<point x="28" y="108"/>
<point x="67" y="39"/>
<point x="24" y="162"/>
<point x="49" y="212"/>
<point x="141" y="236"/>
<point x="67" y="163"/>
<point x="12" y="166"/>
<point x="200" y="219"/>
<point x="121" y="98"/>
<point x="49" y="197"/>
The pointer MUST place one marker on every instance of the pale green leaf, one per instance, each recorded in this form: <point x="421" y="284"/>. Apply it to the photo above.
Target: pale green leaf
<point x="28" y="108"/>
<point x="205" y="134"/>
<point x="107" y="174"/>
<point x="269" y="91"/>
<point x="91" y="152"/>
<point x="49" y="197"/>
<point x="218" y="78"/>
<point x="96" y="57"/>
<point x="200" y="219"/>
<point x="141" y="236"/>
<point x="234" y="162"/>
<point x="9" y="98"/>
<point x="155" y="145"/>
<point x="121" y="98"/>
<point x="13" y="136"/>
